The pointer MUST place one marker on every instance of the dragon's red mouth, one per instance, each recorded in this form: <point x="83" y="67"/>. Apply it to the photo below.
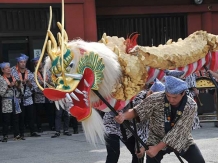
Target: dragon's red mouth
<point x="80" y="107"/>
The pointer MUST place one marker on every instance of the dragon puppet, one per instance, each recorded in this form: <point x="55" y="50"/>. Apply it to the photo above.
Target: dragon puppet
<point x="117" y="69"/>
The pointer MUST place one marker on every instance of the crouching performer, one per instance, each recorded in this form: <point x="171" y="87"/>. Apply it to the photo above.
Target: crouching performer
<point x="170" y="116"/>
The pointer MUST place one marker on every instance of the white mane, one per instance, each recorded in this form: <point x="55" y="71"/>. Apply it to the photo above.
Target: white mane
<point x="112" y="71"/>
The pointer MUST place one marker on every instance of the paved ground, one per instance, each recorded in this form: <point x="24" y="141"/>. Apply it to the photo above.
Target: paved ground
<point x="75" y="149"/>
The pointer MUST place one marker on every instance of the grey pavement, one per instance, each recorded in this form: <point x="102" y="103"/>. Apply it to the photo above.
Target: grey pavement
<point x="75" y="149"/>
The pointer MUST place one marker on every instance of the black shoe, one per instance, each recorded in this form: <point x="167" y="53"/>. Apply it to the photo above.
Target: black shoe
<point x="34" y="135"/>
<point x="17" y="138"/>
<point x="67" y="133"/>
<point x="53" y="128"/>
<point x="5" y="139"/>
<point x="40" y="130"/>
<point x="22" y="138"/>
<point x="57" y="134"/>
<point x="75" y="131"/>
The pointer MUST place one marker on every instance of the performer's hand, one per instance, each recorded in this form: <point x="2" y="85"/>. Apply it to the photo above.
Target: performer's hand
<point x="196" y="91"/>
<point x="141" y="153"/>
<point x="12" y="84"/>
<point x="24" y="82"/>
<point x="18" y="84"/>
<point x="28" y="83"/>
<point x="153" y="151"/>
<point x="214" y="74"/>
<point x="210" y="71"/>
<point x="149" y="93"/>
<point x="119" y="118"/>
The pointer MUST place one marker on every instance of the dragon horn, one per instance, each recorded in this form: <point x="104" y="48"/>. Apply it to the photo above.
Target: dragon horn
<point x="53" y="41"/>
<point x="62" y="47"/>
<point x="43" y="52"/>
<point x="64" y="32"/>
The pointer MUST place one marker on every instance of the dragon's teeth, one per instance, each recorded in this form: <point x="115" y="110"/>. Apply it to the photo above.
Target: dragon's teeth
<point x="78" y="91"/>
<point x="86" y="83"/>
<point x="85" y="96"/>
<point x="57" y="105"/>
<point x="85" y="100"/>
<point x="68" y="97"/>
<point x="61" y="103"/>
<point x="74" y="96"/>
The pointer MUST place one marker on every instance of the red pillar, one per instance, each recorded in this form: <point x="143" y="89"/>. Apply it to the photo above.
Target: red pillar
<point x="214" y="23"/>
<point x="90" y="21"/>
<point x="80" y="20"/>
<point x="74" y="21"/>
<point x="207" y="22"/>
<point x="194" y="22"/>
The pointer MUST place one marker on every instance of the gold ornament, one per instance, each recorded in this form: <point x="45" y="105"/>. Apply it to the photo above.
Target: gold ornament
<point x="179" y="112"/>
<point x="167" y="105"/>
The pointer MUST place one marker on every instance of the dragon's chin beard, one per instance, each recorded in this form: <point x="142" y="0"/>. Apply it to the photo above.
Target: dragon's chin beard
<point x="94" y="128"/>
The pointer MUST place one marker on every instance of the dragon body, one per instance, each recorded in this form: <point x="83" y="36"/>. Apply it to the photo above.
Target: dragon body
<point x="117" y="68"/>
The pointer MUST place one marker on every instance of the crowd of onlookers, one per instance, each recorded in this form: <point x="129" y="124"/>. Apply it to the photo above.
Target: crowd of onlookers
<point x="23" y="103"/>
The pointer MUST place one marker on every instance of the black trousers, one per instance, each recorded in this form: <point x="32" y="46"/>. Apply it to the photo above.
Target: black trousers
<point x="74" y="123"/>
<point x="49" y="108"/>
<point x="192" y="155"/>
<point x="28" y="112"/>
<point x="58" y="120"/>
<point x="6" y="117"/>
<point x="130" y="145"/>
<point x="113" y="148"/>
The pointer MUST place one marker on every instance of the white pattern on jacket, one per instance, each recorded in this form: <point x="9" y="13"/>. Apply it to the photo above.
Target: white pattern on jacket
<point x="7" y="106"/>
<point x="114" y="128"/>
<point x="27" y="100"/>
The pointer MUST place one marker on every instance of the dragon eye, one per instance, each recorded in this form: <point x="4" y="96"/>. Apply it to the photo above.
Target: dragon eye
<point x="71" y="64"/>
